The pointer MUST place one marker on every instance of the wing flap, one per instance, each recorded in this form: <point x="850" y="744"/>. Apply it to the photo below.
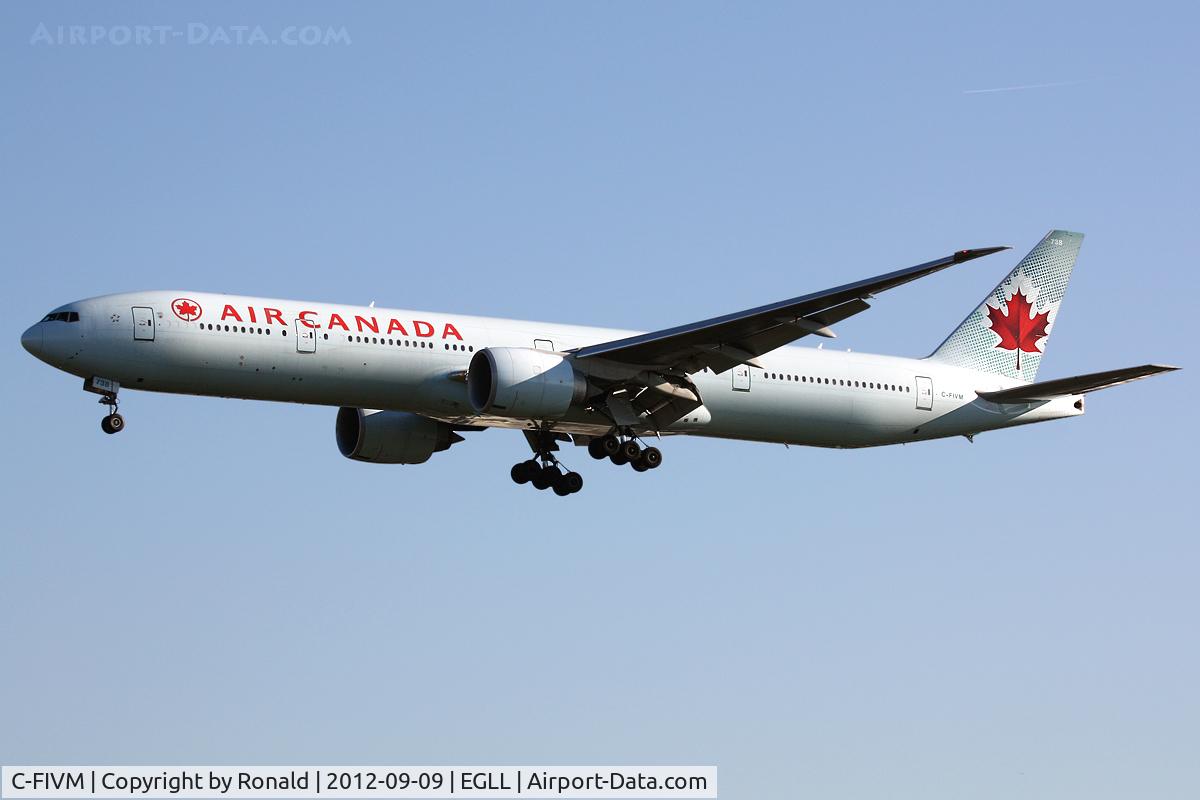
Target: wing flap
<point x="1077" y="384"/>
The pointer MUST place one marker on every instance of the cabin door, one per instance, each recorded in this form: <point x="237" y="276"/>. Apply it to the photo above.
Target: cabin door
<point x="143" y="324"/>
<point x="741" y="378"/>
<point x="306" y="337"/>
<point x="924" y="394"/>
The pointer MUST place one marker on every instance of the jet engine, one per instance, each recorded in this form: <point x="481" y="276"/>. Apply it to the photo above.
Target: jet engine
<point x="390" y="437"/>
<point x="522" y="382"/>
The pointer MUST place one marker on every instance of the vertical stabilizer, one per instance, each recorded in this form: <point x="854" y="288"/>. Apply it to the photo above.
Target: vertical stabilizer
<point x="1008" y="332"/>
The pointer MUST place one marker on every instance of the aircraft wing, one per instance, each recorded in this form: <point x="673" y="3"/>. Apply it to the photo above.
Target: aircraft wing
<point x="722" y="343"/>
<point x="1078" y="384"/>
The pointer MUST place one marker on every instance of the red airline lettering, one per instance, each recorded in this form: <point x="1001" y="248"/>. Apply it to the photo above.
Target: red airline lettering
<point x="271" y="316"/>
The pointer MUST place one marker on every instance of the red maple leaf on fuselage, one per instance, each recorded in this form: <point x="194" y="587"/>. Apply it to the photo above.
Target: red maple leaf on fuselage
<point x="1021" y="328"/>
<point x="186" y="309"/>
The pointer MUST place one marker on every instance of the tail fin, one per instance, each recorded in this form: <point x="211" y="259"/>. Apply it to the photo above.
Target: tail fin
<point x="1007" y="333"/>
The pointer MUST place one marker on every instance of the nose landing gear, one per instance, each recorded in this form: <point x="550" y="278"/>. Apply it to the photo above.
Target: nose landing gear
<point x="114" y="422"/>
<point x="107" y="389"/>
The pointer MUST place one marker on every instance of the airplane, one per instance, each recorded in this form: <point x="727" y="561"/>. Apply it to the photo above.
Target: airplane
<point x="407" y="384"/>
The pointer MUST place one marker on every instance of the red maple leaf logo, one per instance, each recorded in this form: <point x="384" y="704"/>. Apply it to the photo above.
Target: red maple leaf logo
<point x="186" y="310"/>
<point x="1022" y="327"/>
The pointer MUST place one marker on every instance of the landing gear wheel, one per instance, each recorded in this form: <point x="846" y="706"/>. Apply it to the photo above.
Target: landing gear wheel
<point x="596" y="449"/>
<point x="546" y="477"/>
<point x="524" y="472"/>
<point x="610" y="445"/>
<point x="639" y="466"/>
<point x="113" y="423"/>
<point x="568" y="483"/>
<point x="651" y="457"/>
<point x="630" y="450"/>
<point x="618" y="458"/>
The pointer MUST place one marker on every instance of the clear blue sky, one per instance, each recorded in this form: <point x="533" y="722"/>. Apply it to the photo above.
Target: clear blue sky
<point x="1013" y="617"/>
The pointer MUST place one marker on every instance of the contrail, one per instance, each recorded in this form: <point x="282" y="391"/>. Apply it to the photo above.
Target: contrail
<point x="1019" y="88"/>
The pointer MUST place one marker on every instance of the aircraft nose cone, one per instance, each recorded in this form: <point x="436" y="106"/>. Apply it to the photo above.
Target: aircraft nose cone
<point x="31" y="340"/>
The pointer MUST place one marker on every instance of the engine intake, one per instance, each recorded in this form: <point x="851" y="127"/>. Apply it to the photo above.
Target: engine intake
<point x="523" y="382"/>
<point x="390" y="437"/>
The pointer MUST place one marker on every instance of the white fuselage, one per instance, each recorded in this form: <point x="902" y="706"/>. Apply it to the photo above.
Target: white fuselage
<point x="354" y="356"/>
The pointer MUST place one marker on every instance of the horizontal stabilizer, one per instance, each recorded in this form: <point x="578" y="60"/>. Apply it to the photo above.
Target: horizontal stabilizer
<point x="1079" y="384"/>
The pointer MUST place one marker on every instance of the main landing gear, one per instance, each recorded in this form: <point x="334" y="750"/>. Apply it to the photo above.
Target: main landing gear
<point x="625" y="451"/>
<point x="544" y="470"/>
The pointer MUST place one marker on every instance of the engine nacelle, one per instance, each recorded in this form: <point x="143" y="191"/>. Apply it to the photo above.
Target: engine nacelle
<point x="523" y="382"/>
<point x="390" y="437"/>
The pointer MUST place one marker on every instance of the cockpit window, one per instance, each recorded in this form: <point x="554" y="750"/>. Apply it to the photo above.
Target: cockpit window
<point x="62" y="316"/>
